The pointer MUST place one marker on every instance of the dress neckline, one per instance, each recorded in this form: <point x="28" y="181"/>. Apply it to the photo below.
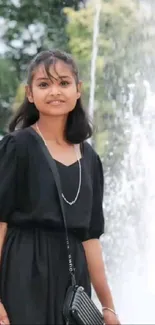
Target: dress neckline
<point x="67" y="166"/>
<point x="36" y="134"/>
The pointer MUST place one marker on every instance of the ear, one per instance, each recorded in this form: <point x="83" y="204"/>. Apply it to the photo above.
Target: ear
<point x="28" y="92"/>
<point x="79" y="89"/>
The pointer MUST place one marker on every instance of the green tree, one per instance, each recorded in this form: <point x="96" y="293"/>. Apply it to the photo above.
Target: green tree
<point x="27" y="30"/>
<point x="8" y="85"/>
<point x="122" y="50"/>
<point x="30" y="28"/>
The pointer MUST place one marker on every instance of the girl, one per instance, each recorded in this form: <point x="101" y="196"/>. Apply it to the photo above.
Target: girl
<point x="34" y="274"/>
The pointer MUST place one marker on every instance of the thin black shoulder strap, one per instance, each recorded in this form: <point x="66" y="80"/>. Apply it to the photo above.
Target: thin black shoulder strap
<point x="53" y="167"/>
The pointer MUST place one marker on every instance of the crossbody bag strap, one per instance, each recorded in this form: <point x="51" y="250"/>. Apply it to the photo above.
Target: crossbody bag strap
<point x="53" y="167"/>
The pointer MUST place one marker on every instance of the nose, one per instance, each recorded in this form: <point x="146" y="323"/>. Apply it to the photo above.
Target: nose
<point x="55" y="90"/>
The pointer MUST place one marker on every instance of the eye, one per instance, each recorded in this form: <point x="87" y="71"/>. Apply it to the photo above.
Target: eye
<point x="43" y="85"/>
<point x="64" y="83"/>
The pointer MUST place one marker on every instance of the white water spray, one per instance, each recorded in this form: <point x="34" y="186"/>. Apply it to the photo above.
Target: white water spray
<point x="94" y="58"/>
<point x="131" y="238"/>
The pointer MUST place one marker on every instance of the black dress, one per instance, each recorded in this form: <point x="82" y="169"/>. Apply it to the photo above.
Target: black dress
<point x="34" y="272"/>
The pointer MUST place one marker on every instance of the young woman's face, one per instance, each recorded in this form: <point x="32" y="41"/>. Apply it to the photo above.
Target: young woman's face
<point x="57" y="95"/>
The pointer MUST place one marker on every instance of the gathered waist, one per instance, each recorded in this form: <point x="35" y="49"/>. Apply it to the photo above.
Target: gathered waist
<point x="46" y="227"/>
<point x="36" y="225"/>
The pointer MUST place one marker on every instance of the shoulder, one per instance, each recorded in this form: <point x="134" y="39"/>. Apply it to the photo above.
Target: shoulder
<point x="7" y="151"/>
<point x="22" y="138"/>
<point x="88" y="149"/>
<point x="7" y="144"/>
<point x="14" y="142"/>
<point x="91" y="153"/>
<point x="20" y="135"/>
<point x="93" y="160"/>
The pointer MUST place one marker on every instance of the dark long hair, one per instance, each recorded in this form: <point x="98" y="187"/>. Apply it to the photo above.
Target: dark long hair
<point x="78" y="128"/>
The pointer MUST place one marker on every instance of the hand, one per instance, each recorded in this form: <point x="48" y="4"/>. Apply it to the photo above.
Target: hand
<point x="3" y="316"/>
<point x="110" y="318"/>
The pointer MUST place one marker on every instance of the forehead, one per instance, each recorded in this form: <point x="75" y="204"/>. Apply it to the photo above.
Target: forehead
<point x="59" y="69"/>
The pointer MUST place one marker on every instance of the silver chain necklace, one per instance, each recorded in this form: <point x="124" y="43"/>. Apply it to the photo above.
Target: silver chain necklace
<point x="79" y="162"/>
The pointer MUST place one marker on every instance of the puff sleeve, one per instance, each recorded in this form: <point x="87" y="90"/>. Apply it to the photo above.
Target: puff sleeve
<point x="7" y="177"/>
<point x="96" y="228"/>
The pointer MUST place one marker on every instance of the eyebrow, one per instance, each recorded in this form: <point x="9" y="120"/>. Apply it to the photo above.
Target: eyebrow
<point x="60" y="77"/>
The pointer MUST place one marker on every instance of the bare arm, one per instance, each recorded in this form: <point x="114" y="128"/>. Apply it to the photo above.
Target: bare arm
<point x="96" y="269"/>
<point x="98" y="278"/>
<point x="3" y="230"/>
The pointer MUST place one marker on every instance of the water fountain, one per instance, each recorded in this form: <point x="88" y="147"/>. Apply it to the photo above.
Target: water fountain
<point x="130" y="238"/>
<point x="129" y="241"/>
<point x="97" y="6"/>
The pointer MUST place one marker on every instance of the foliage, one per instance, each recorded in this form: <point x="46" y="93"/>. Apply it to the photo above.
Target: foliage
<point x="28" y="29"/>
<point x="117" y="23"/>
<point x="31" y="28"/>
<point x="122" y="49"/>
<point x="8" y="85"/>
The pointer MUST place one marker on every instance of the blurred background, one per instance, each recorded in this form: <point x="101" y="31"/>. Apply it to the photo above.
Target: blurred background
<point x="113" y="42"/>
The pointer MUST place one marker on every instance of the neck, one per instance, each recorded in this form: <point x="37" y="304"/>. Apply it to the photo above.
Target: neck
<point x="53" y="128"/>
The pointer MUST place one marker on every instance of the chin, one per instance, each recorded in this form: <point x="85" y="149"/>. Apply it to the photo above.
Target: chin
<point x="55" y="112"/>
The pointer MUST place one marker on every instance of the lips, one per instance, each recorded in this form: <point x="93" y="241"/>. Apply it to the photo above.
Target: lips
<point x="55" y="102"/>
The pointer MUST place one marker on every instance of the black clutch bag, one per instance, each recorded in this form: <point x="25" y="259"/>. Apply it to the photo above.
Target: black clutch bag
<point x="78" y="307"/>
